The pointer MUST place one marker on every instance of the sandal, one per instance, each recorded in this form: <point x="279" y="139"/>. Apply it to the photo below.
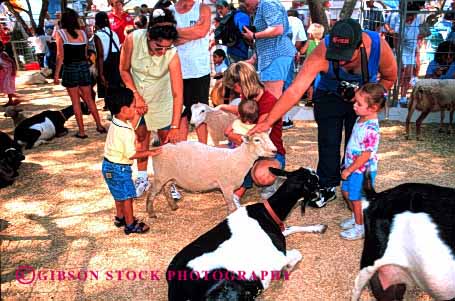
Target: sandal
<point x="119" y="221"/>
<point x="80" y="136"/>
<point x="101" y="130"/>
<point x="136" y="227"/>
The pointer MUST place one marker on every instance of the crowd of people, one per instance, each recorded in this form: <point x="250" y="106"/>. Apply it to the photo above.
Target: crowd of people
<point x="153" y="67"/>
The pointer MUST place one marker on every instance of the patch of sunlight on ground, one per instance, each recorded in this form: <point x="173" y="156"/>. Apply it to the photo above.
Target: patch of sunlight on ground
<point x="69" y="221"/>
<point x="87" y="207"/>
<point x="80" y="243"/>
<point x="18" y="206"/>
<point x="389" y="154"/>
<point x="96" y="227"/>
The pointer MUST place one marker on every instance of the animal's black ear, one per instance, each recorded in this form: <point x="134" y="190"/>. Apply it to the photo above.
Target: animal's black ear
<point x="278" y="172"/>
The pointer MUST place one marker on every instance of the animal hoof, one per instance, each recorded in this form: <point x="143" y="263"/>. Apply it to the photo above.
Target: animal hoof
<point x="175" y="207"/>
<point x="323" y="229"/>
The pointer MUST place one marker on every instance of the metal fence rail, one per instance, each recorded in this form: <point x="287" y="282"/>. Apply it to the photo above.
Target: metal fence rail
<point x="23" y="53"/>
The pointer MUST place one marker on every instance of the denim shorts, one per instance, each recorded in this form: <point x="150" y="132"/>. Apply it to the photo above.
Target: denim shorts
<point x="277" y="70"/>
<point x="76" y="75"/>
<point x="248" y="181"/>
<point x="119" y="180"/>
<point x="354" y="185"/>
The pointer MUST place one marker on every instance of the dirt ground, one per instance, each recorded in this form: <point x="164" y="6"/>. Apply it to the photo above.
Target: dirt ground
<point x="58" y="215"/>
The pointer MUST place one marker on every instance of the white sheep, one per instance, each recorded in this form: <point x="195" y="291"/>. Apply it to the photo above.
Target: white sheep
<point x="217" y="120"/>
<point x="431" y="95"/>
<point x="197" y="167"/>
<point x="15" y="113"/>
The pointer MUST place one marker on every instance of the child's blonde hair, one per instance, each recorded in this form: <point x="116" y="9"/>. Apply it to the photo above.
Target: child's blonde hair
<point x="375" y="94"/>
<point x="245" y="75"/>
<point x="316" y="30"/>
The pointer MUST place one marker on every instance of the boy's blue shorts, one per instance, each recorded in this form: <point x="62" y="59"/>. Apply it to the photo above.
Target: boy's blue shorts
<point x="354" y="185"/>
<point x="248" y="181"/>
<point x="119" y="180"/>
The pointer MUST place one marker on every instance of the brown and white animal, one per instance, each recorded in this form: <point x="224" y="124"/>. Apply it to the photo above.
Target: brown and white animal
<point x="409" y="239"/>
<point x="38" y="78"/>
<point x="15" y="113"/>
<point x="197" y="167"/>
<point x="249" y="241"/>
<point x="431" y="95"/>
<point x="217" y="120"/>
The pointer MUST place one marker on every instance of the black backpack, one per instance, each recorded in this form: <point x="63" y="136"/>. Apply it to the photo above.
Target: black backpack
<point x="227" y="32"/>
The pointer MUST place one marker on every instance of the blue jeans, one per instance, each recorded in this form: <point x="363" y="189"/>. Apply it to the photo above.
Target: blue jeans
<point x="119" y="180"/>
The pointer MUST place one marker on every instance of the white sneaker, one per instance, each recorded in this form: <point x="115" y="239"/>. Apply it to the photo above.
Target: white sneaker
<point x="236" y="200"/>
<point x="175" y="194"/>
<point x="354" y="233"/>
<point x="142" y="185"/>
<point x="347" y="223"/>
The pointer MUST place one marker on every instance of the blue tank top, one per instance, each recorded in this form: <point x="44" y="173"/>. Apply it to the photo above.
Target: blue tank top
<point x="327" y="82"/>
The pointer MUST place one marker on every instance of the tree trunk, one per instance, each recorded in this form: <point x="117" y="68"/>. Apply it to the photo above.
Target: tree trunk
<point x="317" y="13"/>
<point x="42" y="14"/>
<point x="15" y="11"/>
<point x="348" y="9"/>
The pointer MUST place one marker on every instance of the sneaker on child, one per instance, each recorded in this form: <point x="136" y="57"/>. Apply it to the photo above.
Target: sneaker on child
<point x="347" y="223"/>
<point x="403" y="101"/>
<point x="175" y="194"/>
<point x="288" y="124"/>
<point x="356" y="232"/>
<point x="325" y="195"/>
<point x="142" y="185"/>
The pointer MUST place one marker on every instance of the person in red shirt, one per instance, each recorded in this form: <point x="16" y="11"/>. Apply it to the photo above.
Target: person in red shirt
<point x="243" y="79"/>
<point x="119" y="19"/>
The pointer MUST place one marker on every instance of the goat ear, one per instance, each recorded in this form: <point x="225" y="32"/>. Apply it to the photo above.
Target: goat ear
<point x="246" y="139"/>
<point x="278" y="172"/>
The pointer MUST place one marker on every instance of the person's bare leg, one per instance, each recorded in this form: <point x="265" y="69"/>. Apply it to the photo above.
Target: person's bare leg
<point x="74" y="96"/>
<point x="275" y="87"/>
<point x="128" y="211"/>
<point x="86" y="95"/>
<point x="202" y="134"/>
<point x="142" y="144"/>
<point x="184" y="128"/>
<point x="119" y="209"/>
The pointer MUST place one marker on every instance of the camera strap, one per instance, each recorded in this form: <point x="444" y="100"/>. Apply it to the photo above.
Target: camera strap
<point x="363" y="65"/>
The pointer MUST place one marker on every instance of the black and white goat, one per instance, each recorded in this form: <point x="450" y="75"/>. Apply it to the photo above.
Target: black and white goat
<point x="237" y="259"/>
<point x="40" y="128"/>
<point x="10" y="159"/>
<point x="409" y="238"/>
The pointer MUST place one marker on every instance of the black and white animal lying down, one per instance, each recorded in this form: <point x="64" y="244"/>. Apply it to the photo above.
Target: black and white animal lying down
<point x="409" y="239"/>
<point x="248" y="241"/>
<point x="10" y="159"/>
<point x="44" y="126"/>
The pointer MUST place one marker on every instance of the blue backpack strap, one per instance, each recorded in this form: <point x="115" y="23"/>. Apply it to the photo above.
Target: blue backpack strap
<point x="375" y="55"/>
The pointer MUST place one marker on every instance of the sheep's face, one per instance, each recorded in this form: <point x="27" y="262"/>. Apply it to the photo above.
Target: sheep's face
<point x="198" y="113"/>
<point x="261" y="145"/>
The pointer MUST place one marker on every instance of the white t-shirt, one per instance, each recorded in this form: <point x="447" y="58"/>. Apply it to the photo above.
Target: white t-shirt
<point x="39" y="43"/>
<point x="104" y="37"/>
<point x="298" y="32"/>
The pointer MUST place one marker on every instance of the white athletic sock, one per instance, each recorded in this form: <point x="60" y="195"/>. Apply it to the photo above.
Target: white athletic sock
<point x="142" y="174"/>
<point x="359" y="227"/>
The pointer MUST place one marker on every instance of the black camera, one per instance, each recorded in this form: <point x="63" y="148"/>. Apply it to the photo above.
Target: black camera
<point x="347" y="90"/>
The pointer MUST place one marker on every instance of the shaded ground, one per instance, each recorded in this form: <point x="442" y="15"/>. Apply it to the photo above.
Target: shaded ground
<point x="58" y="216"/>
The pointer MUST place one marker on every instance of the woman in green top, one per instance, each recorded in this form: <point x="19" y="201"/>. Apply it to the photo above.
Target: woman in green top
<point x="150" y="67"/>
